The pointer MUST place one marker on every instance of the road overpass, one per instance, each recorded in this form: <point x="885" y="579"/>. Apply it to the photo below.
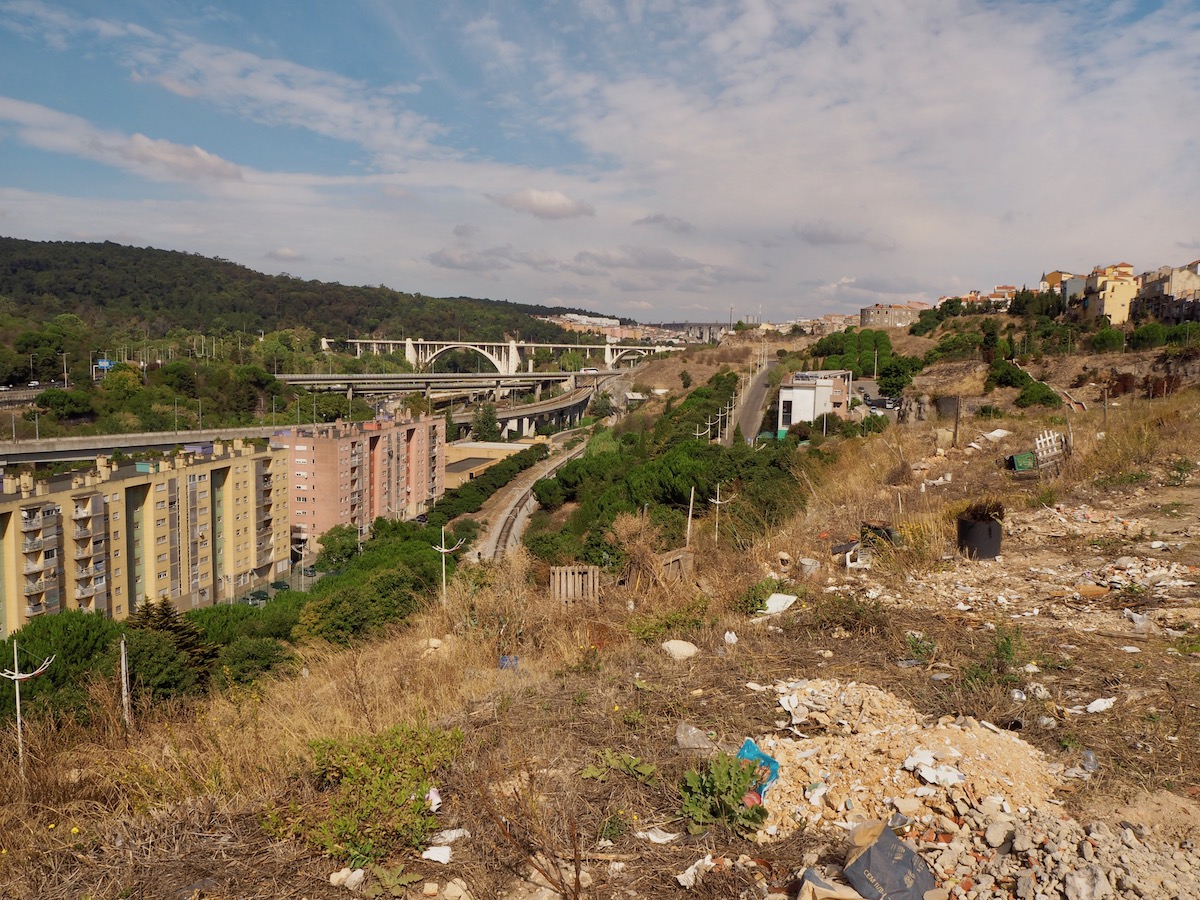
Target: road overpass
<point x="524" y="420"/>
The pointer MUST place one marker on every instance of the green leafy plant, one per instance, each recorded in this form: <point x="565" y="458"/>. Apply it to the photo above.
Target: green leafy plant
<point x="919" y="646"/>
<point x="377" y="786"/>
<point x="715" y="796"/>
<point x="393" y="881"/>
<point x="655" y="626"/>
<point x="624" y="763"/>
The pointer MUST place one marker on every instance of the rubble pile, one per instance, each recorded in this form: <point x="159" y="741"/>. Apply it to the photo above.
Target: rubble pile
<point x="851" y="752"/>
<point x="974" y="801"/>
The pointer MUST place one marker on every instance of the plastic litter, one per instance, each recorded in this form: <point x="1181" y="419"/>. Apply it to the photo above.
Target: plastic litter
<point x="767" y="769"/>
<point x="778" y="603"/>
<point x="437" y="854"/>
<point x="434" y="799"/>
<point x="657" y="835"/>
<point x="1103" y="704"/>
<point x="691" y="876"/>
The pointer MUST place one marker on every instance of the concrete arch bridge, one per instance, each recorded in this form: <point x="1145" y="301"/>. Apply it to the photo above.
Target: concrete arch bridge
<point x="509" y="357"/>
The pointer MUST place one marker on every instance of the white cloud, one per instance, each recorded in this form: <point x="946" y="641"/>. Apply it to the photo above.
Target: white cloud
<point x="544" y="204"/>
<point x="158" y="160"/>
<point x="285" y="254"/>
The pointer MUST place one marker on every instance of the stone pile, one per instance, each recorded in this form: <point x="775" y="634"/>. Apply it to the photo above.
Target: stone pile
<point x="850" y="752"/>
<point x="975" y="802"/>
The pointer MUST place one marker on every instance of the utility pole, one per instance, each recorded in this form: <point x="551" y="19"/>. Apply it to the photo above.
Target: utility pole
<point x="718" y="503"/>
<point x="687" y="541"/>
<point x="16" y="676"/>
<point x="446" y="551"/>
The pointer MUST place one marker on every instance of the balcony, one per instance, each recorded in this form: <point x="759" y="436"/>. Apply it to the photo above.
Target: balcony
<point x="34" y="609"/>
<point x="32" y="568"/>
<point x="82" y="532"/>
<point x="82" y="513"/>
<point x="31" y="523"/>
<point x="35" y="587"/>
<point x="84" y="593"/>
<point x="32" y="546"/>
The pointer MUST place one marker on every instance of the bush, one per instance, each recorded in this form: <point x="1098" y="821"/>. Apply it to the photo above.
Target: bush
<point x="754" y="598"/>
<point x="157" y="667"/>
<point x="1108" y="340"/>
<point x="242" y="661"/>
<point x="1037" y="393"/>
<point x="78" y="641"/>
<point x="378" y="784"/>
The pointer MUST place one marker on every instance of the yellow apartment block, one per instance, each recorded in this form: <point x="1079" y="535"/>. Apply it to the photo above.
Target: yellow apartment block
<point x="195" y="529"/>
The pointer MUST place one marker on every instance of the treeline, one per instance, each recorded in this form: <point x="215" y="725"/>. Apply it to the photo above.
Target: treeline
<point x="175" y="656"/>
<point x="155" y="291"/>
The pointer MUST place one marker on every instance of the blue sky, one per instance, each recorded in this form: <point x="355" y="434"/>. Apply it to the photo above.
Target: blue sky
<point x="656" y="159"/>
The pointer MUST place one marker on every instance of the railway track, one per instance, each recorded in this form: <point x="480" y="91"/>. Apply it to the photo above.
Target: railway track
<point x="509" y="532"/>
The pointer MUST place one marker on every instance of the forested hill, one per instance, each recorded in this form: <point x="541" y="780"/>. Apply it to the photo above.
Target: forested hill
<point x="110" y="285"/>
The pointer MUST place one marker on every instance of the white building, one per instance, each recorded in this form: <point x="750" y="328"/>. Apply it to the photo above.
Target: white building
<point x="806" y="396"/>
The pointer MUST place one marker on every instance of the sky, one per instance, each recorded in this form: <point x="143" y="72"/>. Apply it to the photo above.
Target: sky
<point x="664" y="160"/>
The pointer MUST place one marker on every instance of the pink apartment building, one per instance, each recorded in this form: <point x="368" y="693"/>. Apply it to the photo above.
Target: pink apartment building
<point x="351" y="473"/>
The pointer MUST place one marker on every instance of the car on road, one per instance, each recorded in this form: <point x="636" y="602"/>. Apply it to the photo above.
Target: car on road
<point x="35" y="384"/>
<point x="281" y="586"/>
<point x="310" y="571"/>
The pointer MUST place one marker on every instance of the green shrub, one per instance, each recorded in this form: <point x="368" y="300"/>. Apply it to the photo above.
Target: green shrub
<point x="1039" y="394"/>
<point x="656" y="626"/>
<point x="377" y="786"/>
<point x="753" y="599"/>
<point x="715" y="795"/>
<point x="243" y="660"/>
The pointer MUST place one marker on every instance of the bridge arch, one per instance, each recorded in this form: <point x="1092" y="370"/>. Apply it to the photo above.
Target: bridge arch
<point x="427" y="363"/>
<point x="629" y="352"/>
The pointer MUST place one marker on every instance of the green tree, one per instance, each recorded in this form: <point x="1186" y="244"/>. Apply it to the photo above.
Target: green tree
<point x="571" y="361"/>
<point x="602" y="405"/>
<point x="77" y="640"/>
<point x="685" y="378"/>
<point x="1107" y="340"/>
<point x="339" y="545"/>
<point x="484" y="425"/>
<point x="186" y="636"/>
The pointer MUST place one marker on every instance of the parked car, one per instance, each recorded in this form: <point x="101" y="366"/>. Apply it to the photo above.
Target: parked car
<point x="310" y="571"/>
<point x="35" y="384"/>
<point x="281" y="586"/>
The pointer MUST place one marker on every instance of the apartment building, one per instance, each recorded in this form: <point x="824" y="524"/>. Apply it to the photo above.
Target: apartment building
<point x="1107" y="291"/>
<point x="890" y="315"/>
<point x="806" y="396"/>
<point x="1169" y="294"/>
<point x="351" y="473"/>
<point x="194" y="529"/>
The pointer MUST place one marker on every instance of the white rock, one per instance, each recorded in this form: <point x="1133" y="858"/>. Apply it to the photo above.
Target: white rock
<point x="338" y="878"/>
<point x="680" y="650"/>
<point x="437" y="854"/>
<point x="355" y="879"/>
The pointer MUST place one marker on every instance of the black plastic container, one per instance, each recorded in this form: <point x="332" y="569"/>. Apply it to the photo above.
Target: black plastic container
<point x="979" y="538"/>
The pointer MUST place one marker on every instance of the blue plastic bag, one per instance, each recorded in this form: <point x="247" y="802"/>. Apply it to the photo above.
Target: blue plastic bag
<point x="767" y="767"/>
